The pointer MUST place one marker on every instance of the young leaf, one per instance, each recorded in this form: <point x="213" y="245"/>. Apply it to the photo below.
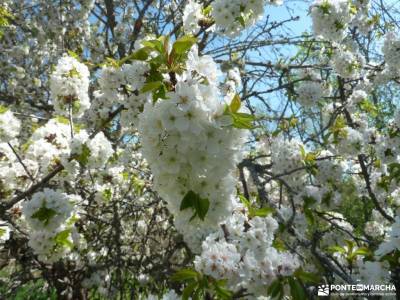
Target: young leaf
<point x="206" y="10"/>
<point x="245" y="201"/>
<point x="188" y="291"/>
<point x="188" y="200"/>
<point x="306" y="277"/>
<point x="221" y="291"/>
<point x="260" y="212"/>
<point x="141" y="54"/>
<point x="44" y="214"/>
<point x="202" y="206"/>
<point x="241" y="20"/>
<point x="62" y="120"/>
<point x="83" y="158"/>
<point x="335" y="249"/>
<point x="296" y="290"/>
<point x="156" y="45"/>
<point x="199" y="205"/>
<point x="183" y="44"/>
<point x="3" y="109"/>
<point x="235" y="104"/>
<point x="242" y="120"/>
<point x="73" y="54"/>
<point x="362" y="251"/>
<point x="309" y="216"/>
<point x="199" y="294"/>
<point x="279" y="245"/>
<point x="151" y="86"/>
<point x="275" y="289"/>
<point x="184" y="274"/>
<point x="62" y="238"/>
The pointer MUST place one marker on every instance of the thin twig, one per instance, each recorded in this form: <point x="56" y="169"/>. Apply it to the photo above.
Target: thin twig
<point x="21" y="162"/>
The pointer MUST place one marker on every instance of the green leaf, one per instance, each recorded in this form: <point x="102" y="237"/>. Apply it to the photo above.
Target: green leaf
<point x="206" y="10"/>
<point x="260" y="212"/>
<point x="156" y="45"/>
<point x="241" y="20"/>
<point x="394" y="171"/>
<point x="279" y="245"/>
<point x="83" y="158"/>
<point x="235" y="104"/>
<point x="183" y="44"/>
<point x="4" y="13"/>
<point x="2" y="231"/>
<point x="202" y="206"/>
<point x="185" y="274"/>
<point x="302" y="151"/>
<point x="245" y="201"/>
<point x="309" y="216"/>
<point x="336" y="249"/>
<point x="151" y="86"/>
<point x="44" y="214"/>
<point x="296" y="290"/>
<point x="160" y="93"/>
<point x="187" y="292"/>
<point x="107" y="194"/>
<point x="3" y="109"/>
<point x="72" y="220"/>
<point x="242" y="120"/>
<point x="362" y="251"/>
<point x="254" y="211"/>
<point x="275" y="289"/>
<point x="306" y="277"/>
<point x="350" y="245"/>
<point x="154" y="74"/>
<point x="112" y="62"/>
<point x="62" y="120"/>
<point x="138" y="185"/>
<point x="309" y="201"/>
<point x="188" y="200"/>
<point x="73" y="73"/>
<point x="221" y="291"/>
<point x="73" y="54"/>
<point x="275" y="133"/>
<point x="199" y="294"/>
<point x="76" y="105"/>
<point x="141" y="54"/>
<point x="62" y="238"/>
<point x="199" y="205"/>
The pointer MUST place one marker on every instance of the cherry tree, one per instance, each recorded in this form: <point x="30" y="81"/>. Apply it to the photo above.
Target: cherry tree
<point x="198" y="149"/>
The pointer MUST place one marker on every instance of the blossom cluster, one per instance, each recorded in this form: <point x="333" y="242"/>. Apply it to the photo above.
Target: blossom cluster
<point x="347" y="64"/>
<point x="48" y="144"/>
<point x="121" y="85"/>
<point x="173" y="133"/>
<point x="69" y="85"/>
<point x="241" y="252"/>
<point x="9" y="125"/>
<point x="192" y="14"/>
<point x="50" y="215"/>
<point x="228" y="13"/>
<point x="391" y="53"/>
<point x="94" y="152"/>
<point x="189" y="147"/>
<point x="331" y="18"/>
<point x="286" y="157"/>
